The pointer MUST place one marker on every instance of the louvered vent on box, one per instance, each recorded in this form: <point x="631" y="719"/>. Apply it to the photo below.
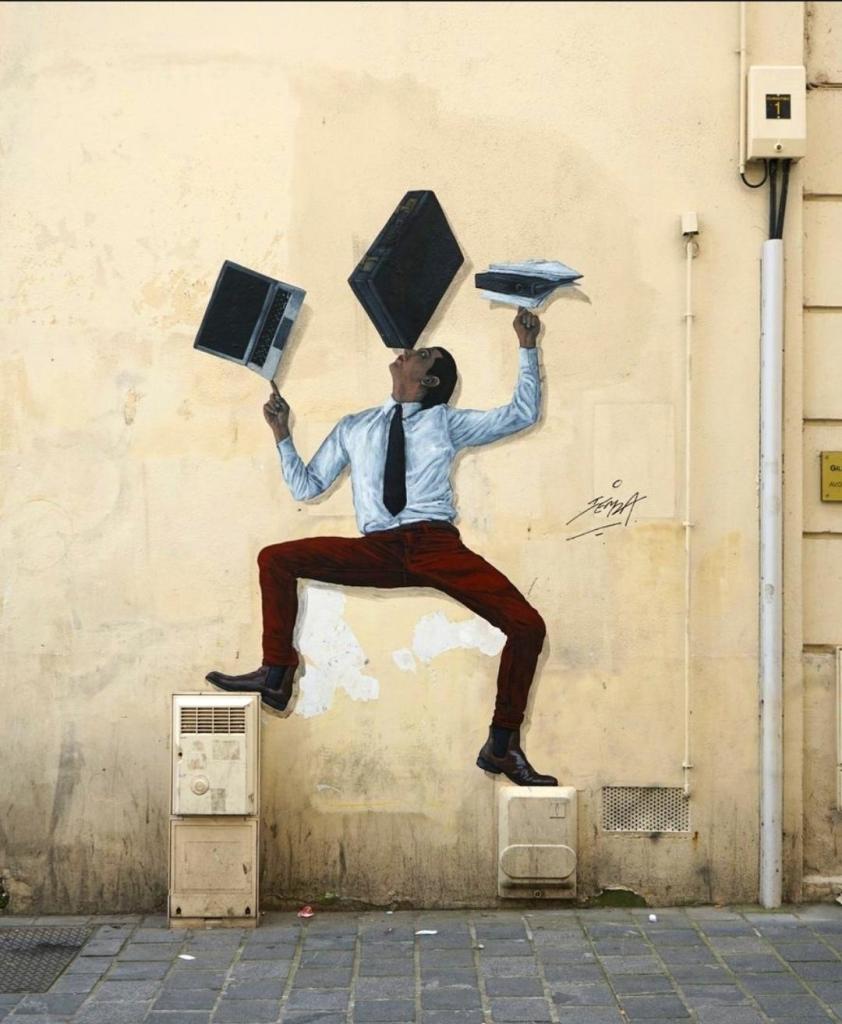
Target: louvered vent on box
<point x="645" y="809"/>
<point x="215" y="754"/>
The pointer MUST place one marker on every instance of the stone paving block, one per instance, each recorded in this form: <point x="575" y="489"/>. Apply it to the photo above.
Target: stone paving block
<point x="616" y="930"/>
<point x="327" y="958"/>
<point x="525" y="1009"/>
<point x="700" y="974"/>
<point x="378" y="932"/>
<point x="185" y="1017"/>
<point x="90" y="965"/>
<point x="322" y="977"/>
<point x="505" y="947"/>
<point x="632" y="965"/>
<point x="274" y="933"/>
<point x="384" y="988"/>
<point x="111" y="1013"/>
<point x="451" y="1017"/>
<point x="138" y="970"/>
<point x="729" y="1015"/>
<point x="312" y="942"/>
<point x="622" y="947"/>
<point x="806" y="951"/>
<point x="752" y="963"/>
<point x="776" y="1004"/>
<point x="270" y="988"/>
<point x="557" y="955"/>
<point x="653" y="1007"/>
<point x="184" y="980"/>
<point x="74" y="983"/>
<point x="640" y="984"/>
<point x="56" y="1004"/>
<point x="155" y="921"/>
<point x="176" y="936"/>
<point x="387" y="968"/>
<point x="686" y="955"/>
<point x="501" y="967"/>
<point x="574" y="972"/>
<point x="260" y="970"/>
<point x="451" y="998"/>
<point x="147" y="951"/>
<point x="674" y="937"/>
<point x="718" y="995"/>
<point x="205" y="960"/>
<point x="126" y="991"/>
<point x="735" y="928"/>
<point x="441" y="977"/>
<point x="102" y="947"/>
<point x="783" y="982"/>
<point x="514" y="987"/>
<point x="384" y="1010"/>
<point x="582" y="995"/>
<point x="318" y="999"/>
<point x="829" y="991"/>
<point x="444" y="941"/>
<point x="247" y="1011"/>
<point x="387" y="949"/>
<point x="726" y="945"/>
<point x="590" y="1015"/>
<point x="273" y="952"/>
<point x="308" y="1017"/>
<point x="187" y="999"/>
<point x="569" y="937"/>
<point x="489" y="932"/>
<point x="447" y="958"/>
<point x="819" y="971"/>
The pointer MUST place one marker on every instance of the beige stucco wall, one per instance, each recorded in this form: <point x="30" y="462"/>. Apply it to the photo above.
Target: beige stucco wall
<point x="822" y="431"/>
<point x="144" y="144"/>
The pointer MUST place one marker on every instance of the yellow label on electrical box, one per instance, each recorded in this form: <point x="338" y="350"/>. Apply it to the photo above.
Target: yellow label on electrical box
<point x="831" y="476"/>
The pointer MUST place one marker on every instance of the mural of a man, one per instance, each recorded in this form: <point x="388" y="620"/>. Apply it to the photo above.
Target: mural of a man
<point x="400" y="455"/>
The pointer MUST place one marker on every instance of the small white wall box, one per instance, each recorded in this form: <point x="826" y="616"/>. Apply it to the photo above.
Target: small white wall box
<point x="536" y="842"/>
<point x="777" y="113"/>
<point x="213" y="872"/>
<point x="215" y="754"/>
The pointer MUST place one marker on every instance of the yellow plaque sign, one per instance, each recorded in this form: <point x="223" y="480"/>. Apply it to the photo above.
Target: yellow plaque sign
<point x="831" y="476"/>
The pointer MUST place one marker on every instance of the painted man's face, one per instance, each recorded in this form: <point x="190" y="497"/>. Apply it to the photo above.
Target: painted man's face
<point x="413" y="365"/>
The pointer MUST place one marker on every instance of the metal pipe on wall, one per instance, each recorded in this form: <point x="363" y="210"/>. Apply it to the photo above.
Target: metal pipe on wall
<point x="771" y="571"/>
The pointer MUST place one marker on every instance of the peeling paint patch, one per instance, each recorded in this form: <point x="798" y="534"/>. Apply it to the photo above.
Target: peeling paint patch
<point x="405" y="660"/>
<point x="436" y="634"/>
<point x="333" y="653"/>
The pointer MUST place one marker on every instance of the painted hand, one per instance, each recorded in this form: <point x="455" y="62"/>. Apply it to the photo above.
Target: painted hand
<point x="527" y="325"/>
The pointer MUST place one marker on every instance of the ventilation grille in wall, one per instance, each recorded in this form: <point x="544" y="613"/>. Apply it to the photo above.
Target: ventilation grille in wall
<point x="214" y="720"/>
<point x="645" y="809"/>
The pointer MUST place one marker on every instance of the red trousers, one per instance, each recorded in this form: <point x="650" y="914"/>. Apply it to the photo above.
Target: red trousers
<point x="419" y="555"/>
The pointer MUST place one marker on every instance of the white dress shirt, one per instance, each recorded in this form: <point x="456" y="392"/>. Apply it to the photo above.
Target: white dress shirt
<point x="433" y="437"/>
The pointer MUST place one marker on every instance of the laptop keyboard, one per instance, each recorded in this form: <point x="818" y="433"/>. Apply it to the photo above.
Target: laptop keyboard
<point x="270" y="326"/>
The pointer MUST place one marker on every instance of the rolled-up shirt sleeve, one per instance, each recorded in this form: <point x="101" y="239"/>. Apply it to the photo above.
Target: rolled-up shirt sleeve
<point x="470" y="427"/>
<point x="310" y="481"/>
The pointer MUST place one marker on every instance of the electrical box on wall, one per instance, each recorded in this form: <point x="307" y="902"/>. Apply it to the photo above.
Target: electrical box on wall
<point x="213" y="871"/>
<point x="215" y="754"/>
<point x="537" y="842"/>
<point x="777" y="113"/>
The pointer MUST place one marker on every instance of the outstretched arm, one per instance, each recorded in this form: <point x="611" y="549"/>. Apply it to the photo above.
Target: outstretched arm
<point x="470" y="427"/>
<point x="308" y="481"/>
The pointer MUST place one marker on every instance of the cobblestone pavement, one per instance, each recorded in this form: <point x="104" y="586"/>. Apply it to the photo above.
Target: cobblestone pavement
<point x="572" y="966"/>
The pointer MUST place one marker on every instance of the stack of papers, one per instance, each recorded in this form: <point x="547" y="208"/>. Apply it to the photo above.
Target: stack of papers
<point x="528" y="283"/>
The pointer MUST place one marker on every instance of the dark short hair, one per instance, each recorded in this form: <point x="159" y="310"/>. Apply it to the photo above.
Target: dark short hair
<point x="444" y="367"/>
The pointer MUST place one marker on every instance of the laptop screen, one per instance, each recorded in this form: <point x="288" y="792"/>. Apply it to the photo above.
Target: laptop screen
<point x="233" y="312"/>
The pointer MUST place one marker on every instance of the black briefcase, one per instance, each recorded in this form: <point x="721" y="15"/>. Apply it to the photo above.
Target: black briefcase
<point x="407" y="269"/>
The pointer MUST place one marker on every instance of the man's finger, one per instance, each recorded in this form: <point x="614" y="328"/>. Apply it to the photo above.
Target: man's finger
<point x="275" y="388"/>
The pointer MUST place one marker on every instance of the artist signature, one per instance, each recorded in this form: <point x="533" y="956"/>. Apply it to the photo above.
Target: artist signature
<point x="616" y="509"/>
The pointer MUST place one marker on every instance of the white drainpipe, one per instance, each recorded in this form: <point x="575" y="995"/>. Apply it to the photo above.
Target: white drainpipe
<point x="771" y="571"/>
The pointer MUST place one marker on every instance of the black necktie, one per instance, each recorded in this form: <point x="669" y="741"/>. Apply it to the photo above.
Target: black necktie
<point x="394" y="476"/>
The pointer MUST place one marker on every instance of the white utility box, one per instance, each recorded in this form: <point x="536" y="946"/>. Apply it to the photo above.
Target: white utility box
<point x="777" y="113"/>
<point x="537" y="844"/>
<point x="214" y="826"/>
<point x="215" y="753"/>
<point x="213" y="872"/>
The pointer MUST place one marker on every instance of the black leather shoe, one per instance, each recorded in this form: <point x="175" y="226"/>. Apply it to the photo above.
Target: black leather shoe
<point x="255" y="682"/>
<point x="513" y="764"/>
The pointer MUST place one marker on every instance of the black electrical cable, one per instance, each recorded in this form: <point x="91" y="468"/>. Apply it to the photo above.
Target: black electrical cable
<point x="762" y="181"/>
<point x="773" y="198"/>
<point x="779" y="226"/>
